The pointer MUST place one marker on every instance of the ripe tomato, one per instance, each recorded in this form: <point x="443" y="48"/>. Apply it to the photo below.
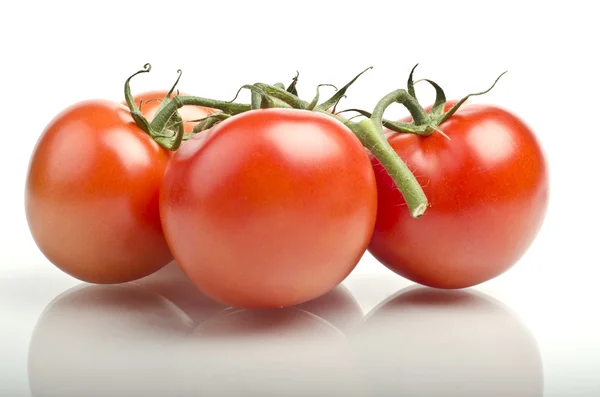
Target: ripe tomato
<point x="270" y="208"/>
<point x="92" y="195"/>
<point x="488" y="193"/>
<point x="151" y="101"/>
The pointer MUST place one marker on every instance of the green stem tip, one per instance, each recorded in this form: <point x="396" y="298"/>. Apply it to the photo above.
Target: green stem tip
<point x="371" y="136"/>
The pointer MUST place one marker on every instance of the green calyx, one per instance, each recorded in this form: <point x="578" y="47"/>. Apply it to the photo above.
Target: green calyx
<point x="171" y="134"/>
<point x="424" y="123"/>
<point x="167" y="126"/>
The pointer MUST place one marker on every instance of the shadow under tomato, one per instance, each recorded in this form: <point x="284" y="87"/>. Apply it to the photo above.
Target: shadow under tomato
<point x="337" y="306"/>
<point x="160" y="336"/>
<point x="429" y="342"/>
<point x="172" y="283"/>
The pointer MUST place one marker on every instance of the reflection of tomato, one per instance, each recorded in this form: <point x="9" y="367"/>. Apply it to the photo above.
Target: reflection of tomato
<point x="428" y="342"/>
<point x="338" y="307"/>
<point x="276" y="352"/>
<point x="171" y="283"/>
<point x="270" y="208"/>
<point x="151" y="101"/>
<point x="106" y="340"/>
<point x="92" y="195"/>
<point x="488" y="192"/>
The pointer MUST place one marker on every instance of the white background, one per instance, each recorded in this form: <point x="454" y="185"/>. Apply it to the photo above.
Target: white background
<point x="56" y="53"/>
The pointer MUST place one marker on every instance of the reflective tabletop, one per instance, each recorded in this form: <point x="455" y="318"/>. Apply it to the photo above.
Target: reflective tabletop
<point x="374" y="335"/>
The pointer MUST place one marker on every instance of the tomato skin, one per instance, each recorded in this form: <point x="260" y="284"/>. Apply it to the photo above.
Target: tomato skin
<point x="488" y="194"/>
<point x="91" y="195"/>
<point x="270" y="208"/>
<point x="151" y="100"/>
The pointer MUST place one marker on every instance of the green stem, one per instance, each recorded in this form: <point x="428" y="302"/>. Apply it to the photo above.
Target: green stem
<point x="263" y="99"/>
<point x="410" y="84"/>
<point x="396" y="126"/>
<point x="208" y="121"/>
<point x="458" y="104"/>
<point x="292" y="87"/>
<point x="339" y="94"/>
<point x="283" y="95"/>
<point x="161" y="118"/>
<point x="371" y="136"/>
<point x="440" y="98"/>
<point x="255" y="100"/>
<point x="315" y="101"/>
<point x="402" y="96"/>
<point x="136" y="114"/>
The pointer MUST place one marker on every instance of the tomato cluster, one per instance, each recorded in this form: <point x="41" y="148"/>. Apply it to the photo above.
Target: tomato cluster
<point x="273" y="203"/>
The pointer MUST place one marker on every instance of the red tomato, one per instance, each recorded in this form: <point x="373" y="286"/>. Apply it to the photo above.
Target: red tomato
<point x="488" y="193"/>
<point x="151" y="101"/>
<point x="92" y="195"/>
<point x="270" y="208"/>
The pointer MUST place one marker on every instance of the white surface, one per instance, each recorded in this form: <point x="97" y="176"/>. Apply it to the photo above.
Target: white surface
<point x="56" y="53"/>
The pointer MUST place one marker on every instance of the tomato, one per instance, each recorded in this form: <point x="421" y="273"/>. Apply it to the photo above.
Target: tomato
<point x="434" y="343"/>
<point x="151" y="100"/>
<point x="269" y="208"/>
<point x="488" y="194"/>
<point x="92" y="195"/>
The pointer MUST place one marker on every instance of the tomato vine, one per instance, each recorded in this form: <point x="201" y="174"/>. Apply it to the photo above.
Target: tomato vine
<point x="166" y="127"/>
